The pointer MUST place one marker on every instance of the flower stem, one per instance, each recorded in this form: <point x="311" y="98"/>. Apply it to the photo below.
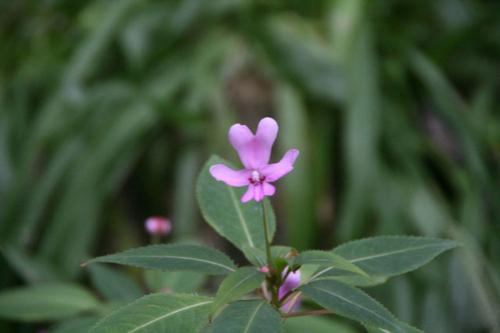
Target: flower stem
<point x="266" y="235"/>
<point x="272" y="279"/>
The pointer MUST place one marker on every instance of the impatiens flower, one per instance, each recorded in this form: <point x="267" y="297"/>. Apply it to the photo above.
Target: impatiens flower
<point x="292" y="281"/>
<point x="254" y="152"/>
<point x="157" y="225"/>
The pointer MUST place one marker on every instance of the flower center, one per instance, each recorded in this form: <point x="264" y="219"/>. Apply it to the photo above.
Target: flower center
<point x="256" y="177"/>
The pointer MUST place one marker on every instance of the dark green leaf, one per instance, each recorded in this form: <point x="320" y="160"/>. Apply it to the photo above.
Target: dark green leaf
<point x="323" y="258"/>
<point x="258" y="257"/>
<point x="222" y="209"/>
<point x="77" y="325"/>
<point x="406" y="328"/>
<point x="113" y="284"/>
<point x="176" y="257"/>
<point x="46" y="302"/>
<point x="158" y="313"/>
<point x="386" y="256"/>
<point x="311" y="324"/>
<point x="179" y="282"/>
<point x="236" y="284"/>
<point x="253" y="316"/>
<point x="352" y="303"/>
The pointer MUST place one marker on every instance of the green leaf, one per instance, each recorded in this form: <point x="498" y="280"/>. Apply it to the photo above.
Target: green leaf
<point x="158" y="313"/>
<point x="350" y="302"/>
<point x="32" y="270"/>
<point x="311" y="324"/>
<point x="222" y="209"/>
<point x="258" y="257"/>
<point x="76" y="325"/>
<point x="179" y="282"/>
<point x="406" y="328"/>
<point x="386" y="256"/>
<point x="236" y="284"/>
<point x="323" y="258"/>
<point x="281" y="251"/>
<point x="173" y="257"/>
<point x="350" y="278"/>
<point x="113" y="284"/>
<point x="255" y="256"/>
<point x="52" y="301"/>
<point x="253" y="316"/>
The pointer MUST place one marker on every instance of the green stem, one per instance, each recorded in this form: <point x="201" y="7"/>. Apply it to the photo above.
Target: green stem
<point x="272" y="278"/>
<point x="266" y="235"/>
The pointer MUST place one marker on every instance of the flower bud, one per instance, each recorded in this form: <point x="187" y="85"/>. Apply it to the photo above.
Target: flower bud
<point x="291" y="282"/>
<point x="158" y="226"/>
<point x="264" y="269"/>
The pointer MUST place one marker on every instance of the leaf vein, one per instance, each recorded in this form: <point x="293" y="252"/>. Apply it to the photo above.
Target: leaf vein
<point x="240" y="216"/>
<point x="168" y="315"/>
<point x="184" y="258"/>
<point x="247" y="327"/>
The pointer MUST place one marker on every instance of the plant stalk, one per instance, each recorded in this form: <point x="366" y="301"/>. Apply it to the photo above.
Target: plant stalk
<point x="266" y="235"/>
<point x="272" y="278"/>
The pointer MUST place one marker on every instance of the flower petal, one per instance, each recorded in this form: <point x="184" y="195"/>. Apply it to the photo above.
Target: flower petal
<point x="241" y="139"/>
<point x="229" y="176"/>
<point x="268" y="189"/>
<point x="258" y="194"/>
<point x="266" y="134"/>
<point x="275" y="171"/>
<point x="248" y="194"/>
<point x="254" y="151"/>
<point x="292" y="281"/>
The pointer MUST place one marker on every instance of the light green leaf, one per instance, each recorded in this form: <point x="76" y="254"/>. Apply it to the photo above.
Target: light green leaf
<point x="46" y="302"/>
<point x="386" y="256"/>
<point x="173" y="257"/>
<point x="222" y="209"/>
<point x="158" y="313"/>
<point x="236" y="284"/>
<point x="113" y="284"/>
<point x="350" y="302"/>
<point x="254" y="316"/>
<point x="323" y="258"/>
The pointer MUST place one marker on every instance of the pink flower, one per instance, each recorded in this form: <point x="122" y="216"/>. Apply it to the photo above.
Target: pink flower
<point x="157" y="225"/>
<point x="254" y="152"/>
<point x="292" y="281"/>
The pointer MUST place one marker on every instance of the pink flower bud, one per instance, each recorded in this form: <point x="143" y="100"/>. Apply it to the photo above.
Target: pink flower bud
<point x="157" y="225"/>
<point x="264" y="269"/>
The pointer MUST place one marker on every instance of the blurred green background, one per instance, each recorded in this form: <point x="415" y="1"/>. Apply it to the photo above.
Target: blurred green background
<point x="108" y="110"/>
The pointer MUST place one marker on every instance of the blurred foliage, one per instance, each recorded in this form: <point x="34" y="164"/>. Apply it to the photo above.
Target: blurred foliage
<point x="109" y="108"/>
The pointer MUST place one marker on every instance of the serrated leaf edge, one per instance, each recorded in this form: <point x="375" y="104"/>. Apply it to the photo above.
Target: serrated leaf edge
<point x="231" y="269"/>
